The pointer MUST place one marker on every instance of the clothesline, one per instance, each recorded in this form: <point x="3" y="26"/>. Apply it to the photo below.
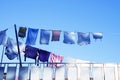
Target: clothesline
<point x="69" y="38"/>
<point x="59" y="30"/>
<point x="12" y="27"/>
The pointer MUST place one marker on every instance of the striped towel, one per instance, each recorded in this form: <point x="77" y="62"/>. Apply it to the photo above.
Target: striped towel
<point x="55" y="59"/>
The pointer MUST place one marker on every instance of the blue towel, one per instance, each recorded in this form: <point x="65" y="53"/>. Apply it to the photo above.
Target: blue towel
<point x="3" y="37"/>
<point x="44" y="36"/>
<point x="31" y="36"/>
<point x="97" y="35"/>
<point x="83" y="38"/>
<point x="11" y="50"/>
<point x="69" y="38"/>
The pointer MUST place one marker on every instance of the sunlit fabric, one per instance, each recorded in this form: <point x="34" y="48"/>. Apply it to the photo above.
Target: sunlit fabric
<point x="35" y="73"/>
<point x="55" y="35"/>
<point x="43" y="55"/>
<point x="23" y="73"/>
<point x="32" y="36"/>
<point x="3" y="37"/>
<point x="11" y="72"/>
<point x="44" y="36"/>
<point x="55" y="59"/>
<point x="60" y="73"/>
<point x="98" y="73"/>
<point x="72" y="73"/>
<point x="83" y="38"/>
<point x="69" y="38"/>
<point x="22" y="32"/>
<point x="84" y="72"/>
<point x="47" y="73"/>
<point x="97" y="35"/>
<point x="11" y="50"/>
<point x="30" y="52"/>
<point x="70" y="60"/>
<point x="109" y="71"/>
<point x="1" y="72"/>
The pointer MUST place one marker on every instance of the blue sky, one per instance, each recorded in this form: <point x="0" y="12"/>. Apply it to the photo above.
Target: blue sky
<point x="68" y="15"/>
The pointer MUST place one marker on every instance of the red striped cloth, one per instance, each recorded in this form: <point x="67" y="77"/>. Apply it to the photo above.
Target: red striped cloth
<point x="55" y="59"/>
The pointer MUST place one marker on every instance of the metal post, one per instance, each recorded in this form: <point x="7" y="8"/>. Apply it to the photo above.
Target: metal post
<point x="18" y="45"/>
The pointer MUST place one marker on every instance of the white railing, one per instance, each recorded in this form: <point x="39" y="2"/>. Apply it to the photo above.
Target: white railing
<point x="67" y="71"/>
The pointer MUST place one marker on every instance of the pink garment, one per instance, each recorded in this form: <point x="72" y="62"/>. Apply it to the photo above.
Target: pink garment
<point x="57" y="59"/>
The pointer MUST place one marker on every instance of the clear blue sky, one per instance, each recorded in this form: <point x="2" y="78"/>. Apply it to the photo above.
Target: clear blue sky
<point x="68" y="15"/>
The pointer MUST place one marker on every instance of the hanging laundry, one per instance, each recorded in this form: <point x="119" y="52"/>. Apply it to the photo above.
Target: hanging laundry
<point x="55" y="35"/>
<point x="97" y="35"/>
<point x="31" y="36"/>
<point x="69" y="38"/>
<point x="10" y="54"/>
<point x="83" y="38"/>
<point x="43" y="55"/>
<point x="11" y="50"/>
<point x="31" y="52"/>
<point x="55" y="59"/>
<point x="3" y="37"/>
<point x="22" y="32"/>
<point x="44" y="36"/>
